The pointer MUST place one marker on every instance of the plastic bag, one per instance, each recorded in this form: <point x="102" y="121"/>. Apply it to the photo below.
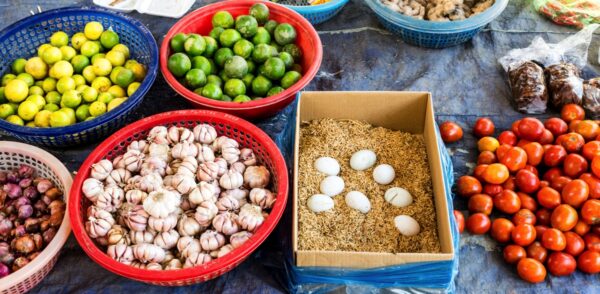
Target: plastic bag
<point x="591" y="97"/>
<point x="578" y="13"/>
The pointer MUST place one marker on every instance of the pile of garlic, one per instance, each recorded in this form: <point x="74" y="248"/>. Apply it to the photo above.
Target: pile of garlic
<point x="178" y="199"/>
<point x="383" y="174"/>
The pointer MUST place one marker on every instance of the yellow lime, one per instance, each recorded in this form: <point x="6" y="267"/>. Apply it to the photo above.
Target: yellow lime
<point x="36" y="67"/>
<point x="38" y="100"/>
<point x="80" y="88"/>
<point x="18" y="66"/>
<point x="65" y="84"/>
<point x="6" y="110"/>
<point x="79" y="62"/>
<point x="27" y="78"/>
<point x="105" y="97"/>
<point x="139" y="71"/>
<point x="90" y="48"/>
<point x="116" y="58"/>
<point x="97" y="108"/>
<point x="90" y="118"/>
<point x="77" y="40"/>
<point x="15" y="119"/>
<point x="88" y="73"/>
<point x="93" y="30"/>
<point x="16" y="91"/>
<point x="70" y="99"/>
<point x="2" y="96"/>
<point x="123" y="49"/>
<point x="70" y="112"/>
<point x="42" y="119"/>
<point x="102" y="67"/>
<point x="79" y="80"/>
<point x="61" y="69"/>
<point x="68" y="52"/>
<point x="49" y="84"/>
<point x="36" y="90"/>
<point x="115" y="103"/>
<point x="39" y="83"/>
<point x="101" y="84"/>
<point x="7" y="78"/>
<point x="42" y="48"/>
<point x="59" y="119"/>
<point x="53" y="97"/>
<point x="89" y="94"/>
<point x="132" y="88"/>
<point x="82" y="112"/>
<point x="117" y="91"/>
<point x="51" y="107"/>
<point x="130" y="63"/>
<point x="52" y="55"/>
<point x="27" y="110"/>
<point x="59" y="39"/>
<point x="109" y="39"/>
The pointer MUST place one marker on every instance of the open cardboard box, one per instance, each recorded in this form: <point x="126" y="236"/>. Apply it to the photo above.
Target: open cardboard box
<point x="406" y="111"/>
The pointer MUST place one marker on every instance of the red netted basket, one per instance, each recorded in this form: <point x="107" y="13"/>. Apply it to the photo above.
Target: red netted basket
<point x="236" y="128"/>
<point x="200" y="22"/>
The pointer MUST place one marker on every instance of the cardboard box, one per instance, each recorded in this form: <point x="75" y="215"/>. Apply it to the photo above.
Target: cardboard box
<point x="406" y="111"/>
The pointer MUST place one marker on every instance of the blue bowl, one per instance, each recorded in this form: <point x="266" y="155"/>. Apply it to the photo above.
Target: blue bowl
<point x="21" y="40"/>
<point x="434" y="34"/>
<point x="317" y="14"/>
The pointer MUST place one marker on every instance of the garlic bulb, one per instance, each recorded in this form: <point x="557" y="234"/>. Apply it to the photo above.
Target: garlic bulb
<point x="225" y="223"/>
<point x="187" y="245"/>
<point x="211" y="240"/>
<point x="204" y="192"/>
<point x="187" y="167"/>
<point x="183" y="184"/>
<point x="142" y="146"/>
<point x="141" y="237"/>
<point x="101" y="169"/>
<point x="231" y="180"/>
<point x="153" y="266"/>
<point x="179" y="134"/>
<point x="257" y="176"/>
<point x="161" y="203"/>
<point x="99" y="223"/>
<point x="247" y="157"/>
<point x="238" y="167"/>
<point x="110" y="198"/>
<point x="184" y="149"/>
<point x="228" y="203"/>
<point x="238" y="194"/>
<point x="117" y="235"/>
<point x="207" y="171"/>
<point x="230" y="154"/>
<point x="239" y="238"/>
<point x="118" y="177"/>
<point x="205" y="212"/>
<point x="118" y="162"/>
<point x="250" y="217"/>
<point x="224" y="250"/>
<point x="153" y="165"/>
<point x="91" y="188"/>
<point x="205" y="153"/>
<point x="135" y="196"/>
<point x="134" y="217"/>
<point x="163" y="224"/>
<point x="132" y="183"/>
<point x="102" y="241"/>
<point x="196" y="258"/>
<point x="188" y="226"/>
<point x="262" y="197"/>
<point x="204" y="133"/>
<point x="148" y="253"/>
<point x="160" y="151"/>
<point x="224" y="142"/>
<point x="173" y="264"/>
<point x="222" y="163"/>
<point x="133" y="160"/>
<point x="121" y="253"/>
<point x="150" y="183"/>
<point x="167" y="239"/>
<point x="137" y="264"/>
<point x="186" y="204"/>
<point x="158" y="135"/>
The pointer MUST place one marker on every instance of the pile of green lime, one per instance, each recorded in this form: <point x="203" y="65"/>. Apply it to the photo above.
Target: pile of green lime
<point x="65" y="84"/>
<point x="241" y="60"/>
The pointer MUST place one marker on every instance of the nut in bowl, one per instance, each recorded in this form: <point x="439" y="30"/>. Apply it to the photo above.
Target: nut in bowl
<point x="193" y="192"/>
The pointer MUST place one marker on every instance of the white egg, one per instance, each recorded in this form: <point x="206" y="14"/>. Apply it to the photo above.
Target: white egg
<point x="319" y="203"/>
<point x="363" y="159"/>
<point x="328" y="166"/>
<point x="407" y="225"/>
<point x="398" y="197"/>
<point x="332" y="186"/>
<point x="358" y="201"/>
<point x="384" y="174"/>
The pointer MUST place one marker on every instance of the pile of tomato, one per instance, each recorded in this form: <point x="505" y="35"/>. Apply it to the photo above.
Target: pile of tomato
<point x="543" y="182"/>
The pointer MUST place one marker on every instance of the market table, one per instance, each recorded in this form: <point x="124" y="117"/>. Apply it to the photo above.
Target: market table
<point x="359" y="54"/>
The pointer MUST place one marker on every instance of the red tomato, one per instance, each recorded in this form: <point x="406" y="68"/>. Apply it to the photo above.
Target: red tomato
<point x="559" y="183"/>
<point x="513" y="253"/>
<point x="554" y="239"/>
<point x="507" y="137"/>
<point x="483" y="127"/>
<point x="507" y="202"/>
<point x="539" y="231"/>
<point x="591" y="149"/>
<point x="478" y="224"/>
<point x="552" y="174"/>
<point x="486" y="157"/>
<point x="575" y="193"/>
<point x="554" y="155"/>
<point x="592" y="242"/>
<point x="573" y="125"/>
<point x="575" y="244"/>
<point x="561" y="264"/>
<point x="522" y="143"/>
<point x="496" y="173"/>
<point x="492" y="189"/>
<point x="527" y="202"/>
<point x="581" y="228"/>
<point x="467" y="186"/>
<point x="523" y="235"/>
<point x="487" y="143"/>
<point x="575" y="165"/>
<point x="451" y="132"/>
<point x="478" y="171"/>
<point x="548" y="197"/>
<point x="502" y="150"/>
<point x="460" y="220"/>
<point x="524" y="216"/>
<point x="589" y="129"/>
<point x="509" y="184"/>
<point x="547" y="138"/>
<point x="556" y="126"/>
<point x="590" y="212"/>
<point x="514" y="159"/>
<point x="501" y="229"/>
<point x="593" y="183"/>
<point x="537" y="252"/>
<point x="531" y="270"/>
<point x="535" y="153"/>
<point x="514" y="127"/>
<point x="531" y="129"/>
<point x="596" y="166"/>
<point x="589" y="262"/>
<point x="564" y="217"/>
<point x="544" y="184"/>
<point x="481" y="203"/>
<point x="572" y="142"/>
<point x="527" y="181"/>
<point x="572" y="112"/>
<point x="543" y="216"/>
<point x="532" y="169"/>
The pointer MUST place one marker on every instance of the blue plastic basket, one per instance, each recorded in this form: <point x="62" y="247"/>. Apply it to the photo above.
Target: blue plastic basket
<point x="21" y="39"/>
<point x="433" y="34"/>
<point x="317" y="14"/>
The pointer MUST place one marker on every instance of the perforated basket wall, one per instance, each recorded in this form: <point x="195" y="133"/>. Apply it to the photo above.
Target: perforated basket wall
<point x="246" y="134"/>
<point x="316" y="14"/>
<point x="22" y="39"/>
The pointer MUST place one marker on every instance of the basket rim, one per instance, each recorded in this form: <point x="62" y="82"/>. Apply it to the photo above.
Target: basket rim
<point x="251" y="105"/>
<point x="239" y="254"/>
<point x="109" y="116"/>
<point x="428" y="26"/>
<point x="52" y="249"/>
<point x="333" y="4"/>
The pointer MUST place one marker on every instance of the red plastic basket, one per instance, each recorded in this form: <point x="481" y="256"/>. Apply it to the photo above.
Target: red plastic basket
<point x="200" y="21"/>
<point x="236" y="128"/>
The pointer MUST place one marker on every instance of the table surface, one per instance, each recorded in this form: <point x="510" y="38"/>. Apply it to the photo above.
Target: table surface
<point x="359" y="54"/>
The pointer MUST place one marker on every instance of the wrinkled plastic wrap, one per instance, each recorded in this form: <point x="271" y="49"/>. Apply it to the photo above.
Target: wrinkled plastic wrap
<point x="424" y="277"/>
<point x="591" y="97"/>
<point x="565" y="84"/>
<point x="578" y="13"/>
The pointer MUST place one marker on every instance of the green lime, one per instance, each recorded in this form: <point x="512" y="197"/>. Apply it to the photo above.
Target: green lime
<point x="36" y="90"/>
<point x="177" y="42"/>
<point x="198" y="91"/>
<point x="274" y="91"/>
<point x="139" y="71"/>
<point x="276" y="47"/>
<point x="36" y="67"/>
<point x="247" y="79"/>
<point x="261" y="70"/>
<point x="53" y="97"/>
<point x="212" y="91"/>
<point x="18" y="66"/>
<point x="65" y="84"/>
<point x="290" y="78"/>
<point x="223" y="76"/>
<point x="222" y="55"/>
<point x="59" y="119"/>
<point x="90" y="48"/>
<point x="27" y="110"/>
<point x="59" y="39"/>
<point x="97" y="108"/>
<point x="6" y="110"/>
<point x="38" y="100"/>
<point x="71" y="99"/>
<point x="102" y="49"/>
<point x="226" y="98"/>
<point x="246" y="25"/>
<point x="195" y="46"/>
<point x="96" y="57"/>
<point x="16" y="90"/>
<point x="261" y="85"/>
<point x="51" y="107"/>
<point x="241" y="99"/>
<point x="251" y="65"/>
<point x="243" y="48"/>
<point x="262" y="36"/>
<point x="229" y="37"/>
<point x="117" y="91"/>
<point x="77" y="40"/>
<point x="124" y="78"/>
<point x="116" y="58"/>
<point x="287" y="59"/>
<point x="123" y="49"/>
<point x="89" y="94"/>
<point x="105" y="97"/>
<point x="39" y="83"/>
<point x="27" y="78"/>
<point x="79" y="80"/>
<point x="285" y="34"/>
<point x="115" y="103"/>
<point x="261" y="53"/>
<point x="15" y="119"/>
<point x="93" y="30"/>
<point x="68" y="52"/>
<point x="297" y="67"/>
<point x="7" y="78"/>
<point x="114" y="72"/>
<point x="195" y="78"/>
<point x="2" y="96"/>
<point x="79" y="62"/>
<point x="132" y="88"/>
<point x="235" y="87"/>
<point x="42" y="119"/>
<point x="222" y="19"/>
<point x="216" y="32"/>
<point x="202" y="63"/>
<point x="82" y="112"/>
<point x="214" y="69"/>
<point x="274" y="68"/>
<point x="109" y="39"/>
<point x="88" y="73"/>
<point x="236" y="67"/>
<point x="213" y="79"/>
<point x="15" y="106"/>
<point x="294" y="50"/>
<point x="179" y="64"/>
<point x="211" y="46"/>
<point x="260" y="12"/>
<point x="270" y="26"/>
